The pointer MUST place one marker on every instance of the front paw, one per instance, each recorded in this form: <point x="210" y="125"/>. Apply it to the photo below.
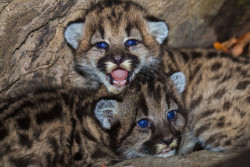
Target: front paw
<point x="185" y="149"/>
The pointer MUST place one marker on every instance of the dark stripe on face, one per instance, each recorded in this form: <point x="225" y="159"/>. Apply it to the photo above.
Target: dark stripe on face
<point x="128" y="29"/>
<point x="148" y="148"/>
<point x="243" y="85"/>
<point x="111" y="57"/>
<point x="142" y="105"/>
<point x="101" y="30"/>
<point x="157" y="93"/>
<point x="168" y="97"/>
<point x="50" y="115"/>
<point x="151" y="87"/>
<point x="135" y="60"/>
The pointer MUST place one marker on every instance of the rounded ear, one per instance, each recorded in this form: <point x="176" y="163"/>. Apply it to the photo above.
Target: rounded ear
<point x="105" y="110"/>
<point x="179" y="80"/>
<point x="159" y="30"/>
<point x="73" y="33"/>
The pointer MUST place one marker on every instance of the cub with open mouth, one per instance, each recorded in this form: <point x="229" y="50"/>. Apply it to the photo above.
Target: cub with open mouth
<point x="114" y="42"/>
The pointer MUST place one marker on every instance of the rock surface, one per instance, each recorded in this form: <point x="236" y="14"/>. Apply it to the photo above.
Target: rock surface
<point x="196" y="159"/>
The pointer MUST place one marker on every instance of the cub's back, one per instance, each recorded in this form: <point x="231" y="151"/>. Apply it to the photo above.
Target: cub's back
<point x="217" y="97"/>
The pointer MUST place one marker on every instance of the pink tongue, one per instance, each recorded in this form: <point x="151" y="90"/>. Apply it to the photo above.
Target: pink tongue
<point x="119" y="74"/>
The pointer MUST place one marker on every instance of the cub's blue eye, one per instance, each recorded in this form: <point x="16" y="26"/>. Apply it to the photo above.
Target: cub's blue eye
<point x="143" y="123"/>
<point x="102" y="45"/>
<point x="171" y="114"/>
<point x="131" y="42"/>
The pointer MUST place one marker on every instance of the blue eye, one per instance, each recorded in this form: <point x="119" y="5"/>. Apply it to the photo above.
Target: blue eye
<point x="131" y="42"/>
<point x="102" y="45"/>
<point x="143" y="123"/>
<point x="171" y="114"/>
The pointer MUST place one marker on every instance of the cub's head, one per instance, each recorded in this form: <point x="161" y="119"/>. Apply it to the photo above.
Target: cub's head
<point x="149" y="119"/>
<point x="116" y="41"/>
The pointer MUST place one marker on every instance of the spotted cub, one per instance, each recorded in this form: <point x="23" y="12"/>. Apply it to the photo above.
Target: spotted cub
<point x="217" y="98"/>
<point x="114" y="41"/>
<point x="60" y="127"/>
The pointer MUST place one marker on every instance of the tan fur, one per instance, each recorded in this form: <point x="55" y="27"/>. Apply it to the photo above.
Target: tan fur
<point x="217" y="93"/>
<point x="115" y="22"/>
<point x="217" y="98"/>
<point x="57" y="127"/>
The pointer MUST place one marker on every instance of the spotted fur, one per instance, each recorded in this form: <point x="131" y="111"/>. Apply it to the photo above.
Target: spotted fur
<point x="61" y="127"/>
<point x="216" y="97"/>
<point x="115" y="22"/>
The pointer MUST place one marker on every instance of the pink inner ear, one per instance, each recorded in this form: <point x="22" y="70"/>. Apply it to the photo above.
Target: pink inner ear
<point x="119" y="74"/>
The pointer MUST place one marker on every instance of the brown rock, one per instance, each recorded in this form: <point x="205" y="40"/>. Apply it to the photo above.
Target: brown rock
<point x="195" y="159"/>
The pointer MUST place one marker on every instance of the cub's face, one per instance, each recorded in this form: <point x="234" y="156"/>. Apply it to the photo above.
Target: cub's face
<point x="116" y="41"/>
<point x="148" y="121"/>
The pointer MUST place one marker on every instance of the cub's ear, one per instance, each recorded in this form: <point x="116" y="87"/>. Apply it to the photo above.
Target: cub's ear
<point x="158" y="29"/>
<point x="73" y="33"/>
<point x="105" y="111"/>
<point x="179" y="80"/>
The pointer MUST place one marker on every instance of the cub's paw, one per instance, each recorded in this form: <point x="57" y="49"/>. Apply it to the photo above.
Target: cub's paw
<point x="105" y="111"/>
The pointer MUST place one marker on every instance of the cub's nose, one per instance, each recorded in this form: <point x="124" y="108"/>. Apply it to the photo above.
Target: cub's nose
<point x="168" y="141"/>
<point x="118" y="59"/>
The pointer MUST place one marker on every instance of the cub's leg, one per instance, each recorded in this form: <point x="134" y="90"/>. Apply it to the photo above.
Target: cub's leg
<point x="188" y="142"/>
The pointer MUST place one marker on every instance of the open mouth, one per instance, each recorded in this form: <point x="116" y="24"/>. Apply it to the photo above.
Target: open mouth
<point x="119" y="77"/>
<point x="166" y="152"/>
